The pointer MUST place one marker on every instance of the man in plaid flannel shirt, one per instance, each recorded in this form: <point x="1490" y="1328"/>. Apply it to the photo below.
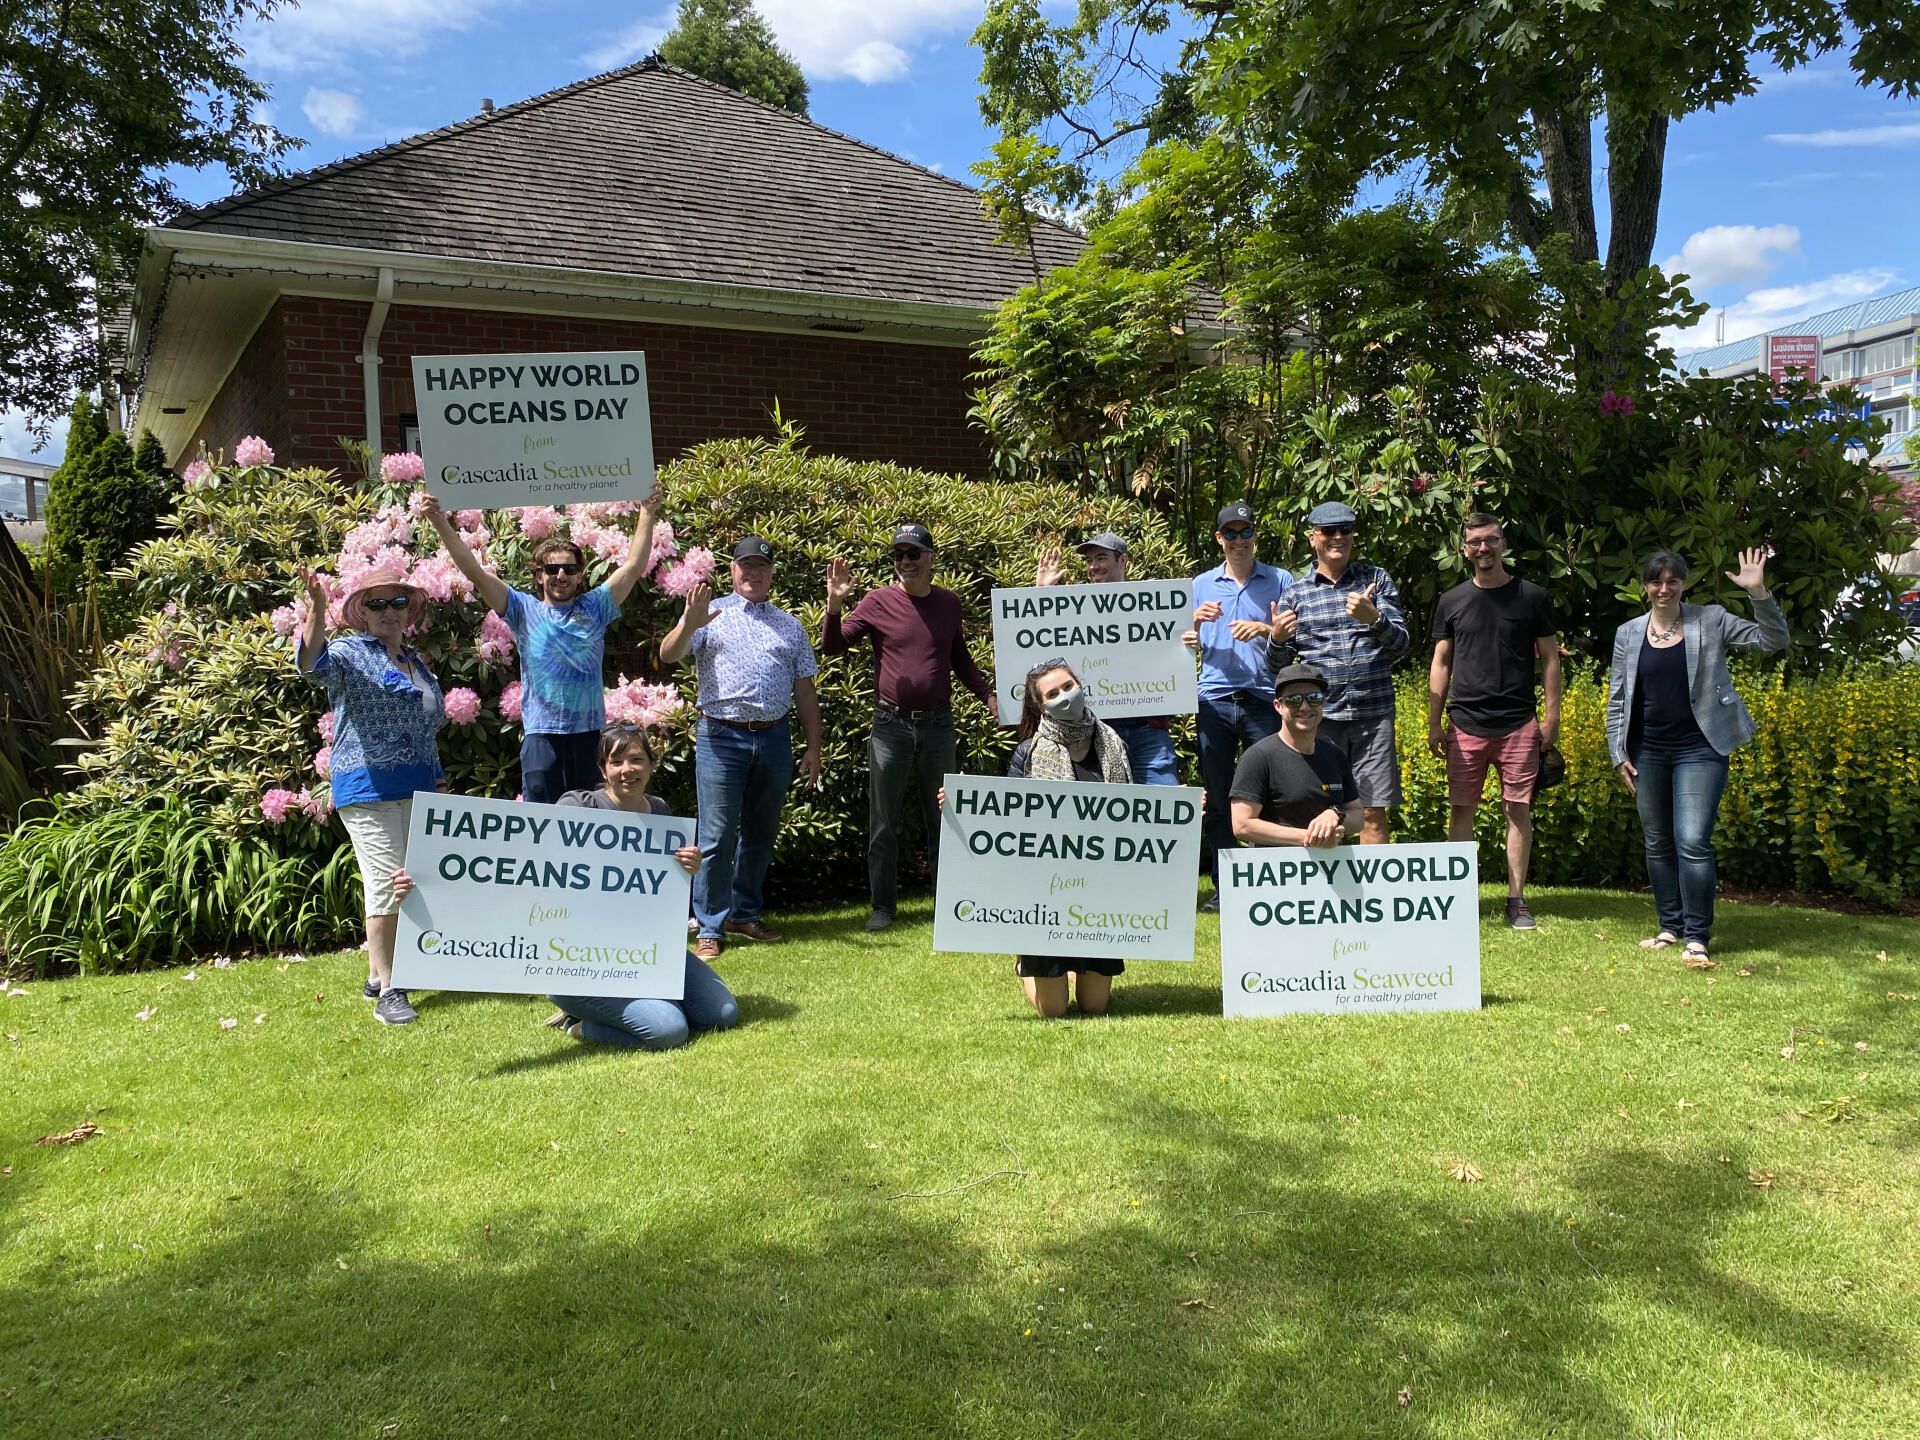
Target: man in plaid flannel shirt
<point x="1343" y="617"/>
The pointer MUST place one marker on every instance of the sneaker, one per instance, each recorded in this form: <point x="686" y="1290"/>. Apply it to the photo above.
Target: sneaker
<point x="707" y="947"/>
<point x="370" y="990"/>
<point x="879" y="919"/>
<point x="1519" y="917"/>
<point x="751" y="930"/>
<point x="392" y="1009"/>
<point x="560" y="1020"/>
<point x="1211" y="905"/>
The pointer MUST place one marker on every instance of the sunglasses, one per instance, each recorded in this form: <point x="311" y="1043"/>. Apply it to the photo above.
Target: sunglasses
<point x="1237" y="532"/>
<point x="1059" y="662"/>
<point x="1332" y="530"/>
<point x="1311" y="697"/>
<point x="559" y="569"/>
<point x="907" y="554"/>
<point x="396" y="602"/>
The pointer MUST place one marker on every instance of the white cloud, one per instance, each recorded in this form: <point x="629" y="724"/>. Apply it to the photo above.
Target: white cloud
<point x="320" y="31"/>
<point x="332" y="112"/>
<point x="1771" y="308"/>
<point x="874" y="62"/>
<point x="639" y="39"/>
<point x="1805" y="177"/>
<point x="1732" y="254"/>
<point x="1905" y="132"/>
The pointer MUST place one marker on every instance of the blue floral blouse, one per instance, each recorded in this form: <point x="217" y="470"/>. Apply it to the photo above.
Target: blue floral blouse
<point x="385" y="715"/>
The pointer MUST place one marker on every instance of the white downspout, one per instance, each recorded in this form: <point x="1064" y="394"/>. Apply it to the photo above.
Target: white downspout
<point x="370" y="358"/>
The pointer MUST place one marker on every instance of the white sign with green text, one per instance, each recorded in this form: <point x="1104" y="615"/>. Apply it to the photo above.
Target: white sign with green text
<point x="511" y="430"/>
<point x="1050" y="867"/>
<point x="1356" y="930"/>
<point x="518" y="898"/>
<point x="1122" y="640"/>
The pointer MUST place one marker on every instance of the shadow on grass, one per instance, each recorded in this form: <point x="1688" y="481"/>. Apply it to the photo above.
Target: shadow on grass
<point x="1256" y="1292"/>
<point x="754" y="1010"/>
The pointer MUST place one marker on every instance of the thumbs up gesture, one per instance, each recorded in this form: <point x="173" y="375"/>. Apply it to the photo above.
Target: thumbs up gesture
<point x="1284" y="622"/>
<point x="1360" y="605"/>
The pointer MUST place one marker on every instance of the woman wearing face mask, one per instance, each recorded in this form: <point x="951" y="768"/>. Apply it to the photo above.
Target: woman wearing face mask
<point x="1061" y="740"/>
<point x="626" y="760"/>
<point x="1673" y="718"/>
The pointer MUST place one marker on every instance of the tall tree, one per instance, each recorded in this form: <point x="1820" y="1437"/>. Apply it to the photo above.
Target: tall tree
<point x="1491" y="100"/>
<point x="728" y="42"/>
<point x="101" y="101"/>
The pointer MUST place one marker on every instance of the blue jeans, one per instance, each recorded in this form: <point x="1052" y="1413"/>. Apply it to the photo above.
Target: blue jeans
<point x="1228" y="725"/>
<point x="551" y="765"/>
<point x="1678" y="794"/>
<point x="903" y="754"/>
<point x="1149" y="752"/>
<point x="742" y="778"/>
<point x="705" y="1004"/>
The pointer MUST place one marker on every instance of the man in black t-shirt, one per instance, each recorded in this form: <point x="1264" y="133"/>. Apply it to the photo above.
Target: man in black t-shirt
<point x="1490" y="631"/>
<point x="1294" y="788"/>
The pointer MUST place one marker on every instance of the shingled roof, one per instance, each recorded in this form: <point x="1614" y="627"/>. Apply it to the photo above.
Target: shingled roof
<point x="652" y="171"/>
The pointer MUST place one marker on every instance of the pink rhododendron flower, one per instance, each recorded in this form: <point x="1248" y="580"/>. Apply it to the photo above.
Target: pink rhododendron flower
<point x="665" y="547"/>
<point x="325" y="726"/>
<point x="463" y="706"/>
<point x="288" y="618"/>
<point x="510" y="701"/>
<point x="1612" y="404"/>
<point x="199" y="476"/>
<point x="695" y="568"/>
<point x="634" y="702"/>
<point x="417" y="504"/>
<point x="478" y="537"/>
<point x="1418" y="484"/>
<point x="323" y="761"/>
<point x="496" y="639"/>
<point x="252" y="451"/>
<point x="275" y="804"/>
<point x="317" y="808"/>
<point x="537" y="521"/>
<point x="468" y="519"/>
<point x="401" y="467"/>
<point x="601" y="540"/>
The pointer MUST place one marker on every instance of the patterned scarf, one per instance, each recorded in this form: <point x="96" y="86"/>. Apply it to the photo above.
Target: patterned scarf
<point x="1053" y="744"/>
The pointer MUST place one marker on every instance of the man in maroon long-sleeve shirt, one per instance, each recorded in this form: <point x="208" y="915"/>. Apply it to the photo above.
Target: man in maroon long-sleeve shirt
<point x="918" y="646"/>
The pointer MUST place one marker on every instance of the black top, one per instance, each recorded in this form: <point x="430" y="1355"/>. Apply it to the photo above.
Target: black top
<point x="1291" y="788"/>
<point x="1087" y="769"/>
<point x="1493" y="633"/>
<point x="1662" y="703"/>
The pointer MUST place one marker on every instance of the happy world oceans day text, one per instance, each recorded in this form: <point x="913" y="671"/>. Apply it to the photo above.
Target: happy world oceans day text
<point x="560" y="874"/>
<point x="549" y="409"/>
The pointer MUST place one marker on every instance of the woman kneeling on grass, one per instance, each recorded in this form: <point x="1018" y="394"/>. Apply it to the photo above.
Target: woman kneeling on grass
<point x="387" y="708"/>
<point x="1061" y="740"/>
<point x="626" y="760"/>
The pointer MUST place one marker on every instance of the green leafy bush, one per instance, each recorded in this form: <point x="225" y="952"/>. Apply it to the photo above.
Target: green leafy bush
<point x="101" y="507"/>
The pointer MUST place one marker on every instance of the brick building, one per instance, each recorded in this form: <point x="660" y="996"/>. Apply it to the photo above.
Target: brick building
<point x="757" y="258"/>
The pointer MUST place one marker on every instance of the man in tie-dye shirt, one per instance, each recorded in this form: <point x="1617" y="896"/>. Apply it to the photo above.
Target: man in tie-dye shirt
<point x="560" y="630"/>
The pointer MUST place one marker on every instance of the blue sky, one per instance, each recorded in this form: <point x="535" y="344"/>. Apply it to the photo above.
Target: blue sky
<point x="1794" y="200"/>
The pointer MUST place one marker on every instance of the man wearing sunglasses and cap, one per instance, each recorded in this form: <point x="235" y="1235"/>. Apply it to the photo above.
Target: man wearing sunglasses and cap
<point x="561" y="634"/>
<point x="1148" y="740"/>
<point x="1233" y="608"/>
<point x="918" y="647"/>
<point x="756" y="668"/>
<point x="1343" y="617"/>
<point x="1295" y="788"/>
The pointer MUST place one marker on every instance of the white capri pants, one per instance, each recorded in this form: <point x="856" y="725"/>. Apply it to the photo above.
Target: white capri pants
<point x="378" y="831"/>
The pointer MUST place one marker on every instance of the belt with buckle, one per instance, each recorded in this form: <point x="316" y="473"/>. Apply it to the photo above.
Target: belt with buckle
<point x="744" y="724"/>
<point x="895" y="713"/>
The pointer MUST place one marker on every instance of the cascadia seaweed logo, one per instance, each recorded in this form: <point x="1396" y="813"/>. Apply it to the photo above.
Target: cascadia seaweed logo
<point x="1254" y="983"/>
<point x="1071" y="917"/>
<point x="556" y="950"/>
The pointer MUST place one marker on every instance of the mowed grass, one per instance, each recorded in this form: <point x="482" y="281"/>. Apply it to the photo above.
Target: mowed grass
<point x="895" y="1203"/>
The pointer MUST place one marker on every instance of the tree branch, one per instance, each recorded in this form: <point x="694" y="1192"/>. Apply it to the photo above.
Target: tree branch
<point x="43" y="101"/>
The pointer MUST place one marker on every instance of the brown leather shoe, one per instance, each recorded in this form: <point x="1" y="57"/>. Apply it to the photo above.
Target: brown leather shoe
<point x="707" y="947"/>
<point x="751" y="930"/>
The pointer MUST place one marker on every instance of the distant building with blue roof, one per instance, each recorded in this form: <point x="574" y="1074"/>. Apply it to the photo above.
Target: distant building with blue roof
<point x="1868" y="345"/>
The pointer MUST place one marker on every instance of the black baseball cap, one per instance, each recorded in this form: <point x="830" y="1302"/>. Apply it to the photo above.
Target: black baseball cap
<point x="1298" y="674"/>
<point x="1106" y="540"/>
<point x="752" y="547"/>
<point x="1239" y="513"/>
<point x="911" y="534"/>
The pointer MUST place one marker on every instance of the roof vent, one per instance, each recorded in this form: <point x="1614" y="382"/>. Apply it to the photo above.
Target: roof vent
<point x="486" y="107"/>
<point x="837" y="327"/>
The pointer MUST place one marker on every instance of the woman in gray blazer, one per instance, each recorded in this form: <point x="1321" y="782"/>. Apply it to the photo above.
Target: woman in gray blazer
<point x="1673" y="718"/>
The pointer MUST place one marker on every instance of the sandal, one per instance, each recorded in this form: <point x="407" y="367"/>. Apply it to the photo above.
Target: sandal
<point x="1695" y="957"/>
<point x="1660" y="941"/>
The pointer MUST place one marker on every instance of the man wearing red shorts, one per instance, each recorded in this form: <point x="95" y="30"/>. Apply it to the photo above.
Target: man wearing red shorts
<point x="1489" y="632"/>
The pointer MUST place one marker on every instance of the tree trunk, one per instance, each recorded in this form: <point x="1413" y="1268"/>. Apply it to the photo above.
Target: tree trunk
<point x="1637" y="156"/>
<point x="1566" y="154"/>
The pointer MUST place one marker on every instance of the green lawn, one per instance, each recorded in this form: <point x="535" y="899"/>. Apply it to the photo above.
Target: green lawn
<point x="1159" y="1224"/>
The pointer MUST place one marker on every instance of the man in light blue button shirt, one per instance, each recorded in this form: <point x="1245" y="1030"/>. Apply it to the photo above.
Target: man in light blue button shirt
<point x="1235" y="605"/>
<point x="756" y="666"/>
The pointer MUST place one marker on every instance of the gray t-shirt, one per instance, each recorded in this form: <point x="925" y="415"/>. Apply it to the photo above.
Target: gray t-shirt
<point x="600" y="800"/>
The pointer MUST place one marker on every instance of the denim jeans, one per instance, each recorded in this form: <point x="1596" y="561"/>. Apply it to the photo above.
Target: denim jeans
<point x="903" y="753"/>
<point x="742" y="778"/>
<point x="1678" y="794"/>
<point x="705" y="1004"/>
<point x="1149" y="752"/>
<point x="551" y="765"/>
<point x="1228" y="725"/>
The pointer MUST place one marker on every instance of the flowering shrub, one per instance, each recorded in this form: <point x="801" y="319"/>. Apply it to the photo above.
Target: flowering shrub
<point x="252" y="451"/>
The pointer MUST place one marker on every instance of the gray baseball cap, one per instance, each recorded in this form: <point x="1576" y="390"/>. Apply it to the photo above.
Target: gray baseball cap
<point x="1106" y="540"/>
<point x="1333" y="512"/>
<point x="1298" y="674"/>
